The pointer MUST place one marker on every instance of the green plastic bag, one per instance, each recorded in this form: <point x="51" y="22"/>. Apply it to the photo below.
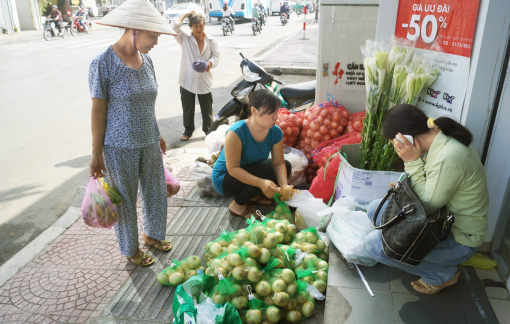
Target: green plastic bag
<point x="282" y="210"/>
<point x="180" y="271"/>
<point x="314" y="271"/>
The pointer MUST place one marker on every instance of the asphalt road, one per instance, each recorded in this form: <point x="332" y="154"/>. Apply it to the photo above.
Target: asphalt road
<point x="45" y="105"/>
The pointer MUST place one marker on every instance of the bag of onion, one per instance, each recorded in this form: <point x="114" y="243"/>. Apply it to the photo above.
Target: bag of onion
<point x="321" y="123"/>
<point x="290" y="124"/>
<point x="180" y="271"/>
<point x="355" y="123"/>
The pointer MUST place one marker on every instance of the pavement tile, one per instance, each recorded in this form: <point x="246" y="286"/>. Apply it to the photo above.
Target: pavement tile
<point x="353" y="306"/>
<point x="502" y="309"/>
<point x="342" y="275"/>
<point x="469" y="285"/>
<point x="488" y="274"/>
<point x="478" y="311"/>
<point x="497" y="292"/>
<point x="427" y="309"/>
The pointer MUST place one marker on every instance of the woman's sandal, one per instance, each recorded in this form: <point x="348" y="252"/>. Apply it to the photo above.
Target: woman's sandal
<point x="246" y="213"/>
<point x="139" y="258"/>
<point x="159" y="245"/>
<point x="185" y="137"/>
<point x="259" y="201"/>
<point x="425" y="288"/>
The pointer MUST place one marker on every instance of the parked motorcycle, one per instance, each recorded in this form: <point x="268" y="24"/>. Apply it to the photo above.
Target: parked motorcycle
<point x="76" y="27"/>
<point x="296" y="95"/>
<point x="256" y="26"/>
<point x="283" y="19"/>
<point x="226" y="26"/>
<point x="50" y="30"/>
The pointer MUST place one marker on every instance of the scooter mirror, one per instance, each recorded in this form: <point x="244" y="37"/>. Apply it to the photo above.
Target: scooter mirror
<point x="277" y="72"/>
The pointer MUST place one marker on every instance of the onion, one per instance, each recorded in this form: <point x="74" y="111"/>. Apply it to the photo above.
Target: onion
<point x="270" y="241"/>
<point x="310" y="258"/>
<point x="176" y="278"/>
<point x="322" y="265"/>
<point x="320" y="245"/>
<point x="239" y="273"/>
<point x="324" y="256"/>
<point x="309" y="248"/>
<point x="265" y="255"/>
<point x="247" y="243"/>
<point x="281" y="228"/>
<point x="288" y="276"/>
<point x="235" y="259"/>
<point x="193" y="262"/>
<point x="190" y="274"/>
<point x="272" y="223"/>
<point x="292" y="304"/>
<point x="254" y="275"/>
<point x="281" y="299"/>
<point x="273" y="314"/>
<point x="279" y="237"/>
<point x="320" y="285"/>
<point x="317" y="136"/>
<point x="239" y="290"/>
<point x="301" y="297"/>
<point x="308" y="309"/>
<point x="323" y="129"/>
<point x="254" y="251"/>
<point x="280" y="264"/>
<point x="232" y="248"/>
<point x="208" y="272"/>
<point x="293" y="316"/>
<point x="162" y="279"/>
<point x="291" y="230"/>
<point x="263" y="288"/>
<point x="291" y="288"/>
<point x="251" y="261"/>
<point x="239" y="302"/>
<point x="216" y="249"/>
<point x="314" y="126"/>
<point x="278" y="285"/>
<point x="242" y="237"/>
<point x="308" y="279"/>
<point x="253" y="316"/>
<point x="321" y="275"/>
<point x="215" y="263"/>
<point x="218" y="299"/>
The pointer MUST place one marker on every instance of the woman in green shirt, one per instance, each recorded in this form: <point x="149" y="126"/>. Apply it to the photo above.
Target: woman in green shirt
<point x="444" y="170"/>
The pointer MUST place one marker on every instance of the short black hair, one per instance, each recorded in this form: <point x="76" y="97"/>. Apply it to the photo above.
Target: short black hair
<point x="265" y="101"/>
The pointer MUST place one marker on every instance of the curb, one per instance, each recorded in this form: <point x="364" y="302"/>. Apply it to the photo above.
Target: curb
<point x="17" y="262"/>
<point x="266" y="54"/>
<point x="293" y="69"/>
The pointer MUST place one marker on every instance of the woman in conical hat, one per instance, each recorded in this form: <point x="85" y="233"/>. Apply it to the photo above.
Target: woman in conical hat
<point x="126" y="142"/>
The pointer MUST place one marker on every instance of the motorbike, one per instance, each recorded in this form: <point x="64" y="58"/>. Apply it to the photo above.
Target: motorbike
<point x="50" y="30"/>
<point x="226" y="26"/>
<point x="299" y="12"/>
<point x="256" y="26"/>
<point x="283" y="19"/>
<point x="263" y="17"/>
<point x="76" y="27"/>
<point x="298" y="96"/>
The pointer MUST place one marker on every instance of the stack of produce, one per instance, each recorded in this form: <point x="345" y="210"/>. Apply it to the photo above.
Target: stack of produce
<point x="290" y="124"/>
<point x="180" y="271"/>
<point x="311" y="172"/>
<point x="322" y="123"/>
<point x="259" y="276"/>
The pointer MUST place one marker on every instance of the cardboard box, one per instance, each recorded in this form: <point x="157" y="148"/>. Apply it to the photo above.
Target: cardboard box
<point x="365" y="186"/>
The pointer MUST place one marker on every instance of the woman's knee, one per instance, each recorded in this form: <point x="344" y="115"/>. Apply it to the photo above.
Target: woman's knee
<point x="373" y="245"/>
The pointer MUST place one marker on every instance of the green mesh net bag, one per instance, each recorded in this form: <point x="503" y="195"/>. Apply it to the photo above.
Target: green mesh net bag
<point x="180" y="271"/>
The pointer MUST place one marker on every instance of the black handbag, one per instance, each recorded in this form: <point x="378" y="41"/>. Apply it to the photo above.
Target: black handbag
<point x="408" y="233"/>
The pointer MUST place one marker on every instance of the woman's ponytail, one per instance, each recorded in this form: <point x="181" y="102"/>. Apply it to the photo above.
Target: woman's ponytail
<point x="245" y="113"/>
<point x="454" y="129"/>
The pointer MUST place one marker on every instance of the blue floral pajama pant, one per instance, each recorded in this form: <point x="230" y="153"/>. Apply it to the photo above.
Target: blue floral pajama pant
<point x="127" y="171"/>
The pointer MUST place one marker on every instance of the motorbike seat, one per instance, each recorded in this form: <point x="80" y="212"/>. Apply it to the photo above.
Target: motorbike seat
<point x="304" y="90"/>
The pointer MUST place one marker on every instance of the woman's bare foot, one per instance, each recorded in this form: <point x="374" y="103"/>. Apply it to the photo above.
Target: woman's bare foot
<point x="152" y="241"/>
<point x="236" y="208"/>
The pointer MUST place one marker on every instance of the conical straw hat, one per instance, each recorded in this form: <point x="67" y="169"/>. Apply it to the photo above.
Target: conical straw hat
<point x="137" y="14"/>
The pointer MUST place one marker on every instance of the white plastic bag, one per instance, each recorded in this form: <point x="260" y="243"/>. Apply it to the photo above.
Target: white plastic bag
<point x="216" y="139"/>
<point x="299" y="162"/>
<point x="307" y="211"/>
<point x="347" y="231"/>
<point x="207" y="312"/>
<point x="202" y="174"/>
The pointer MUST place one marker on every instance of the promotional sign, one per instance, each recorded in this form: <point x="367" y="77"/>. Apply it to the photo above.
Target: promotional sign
<point x="445" y="26"/>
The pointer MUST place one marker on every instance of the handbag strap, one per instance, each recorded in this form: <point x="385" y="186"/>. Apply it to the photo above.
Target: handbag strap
<point x="403" y="213"/>
<point x="448" y="223"/>
<point x="388" y="194"/>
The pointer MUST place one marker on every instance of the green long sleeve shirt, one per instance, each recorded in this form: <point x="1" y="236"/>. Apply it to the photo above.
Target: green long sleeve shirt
<point x="451" y="174"/>
<point x="255" y="12"/>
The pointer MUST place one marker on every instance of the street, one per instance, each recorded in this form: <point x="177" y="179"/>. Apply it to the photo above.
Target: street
<point x="45" y="106"/>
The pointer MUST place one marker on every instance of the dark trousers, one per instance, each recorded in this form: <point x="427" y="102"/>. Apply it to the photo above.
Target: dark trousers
<point x="244" y="192"/>
<point x="188" y="111"/>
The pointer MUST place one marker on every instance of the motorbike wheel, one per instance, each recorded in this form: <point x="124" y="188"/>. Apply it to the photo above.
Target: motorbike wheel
<point x="74" y="31"/>
<point x="47" y="34"/>
<point x="86" y="30"/>
<point x="232" y="30"/>
<point x="260" y="30"/>
<point x="63" y="34"/>
<point x="254" y="31"/>
<point x="224" y="32"/>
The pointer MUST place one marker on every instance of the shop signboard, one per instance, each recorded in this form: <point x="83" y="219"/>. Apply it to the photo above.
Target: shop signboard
<point x="445" y="26"/>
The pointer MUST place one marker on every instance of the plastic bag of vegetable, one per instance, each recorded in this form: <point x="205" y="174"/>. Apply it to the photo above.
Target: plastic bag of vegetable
<point x="314" y="271"/>
<point x="180" y="271"/>
<point x="215" y="140"/>
<point x="355" y="123"/>
<point x="96" y="209"/>
<point x="307" y="208"/>
<point x="227" y="242"/>
<point x="172" y="183"/>
<point x="202" y="174"/>
<point x="290" y="124"/>
<point x="299" y="163"/>
<point x="281" y="211"/>
<point x="324" y="185"/>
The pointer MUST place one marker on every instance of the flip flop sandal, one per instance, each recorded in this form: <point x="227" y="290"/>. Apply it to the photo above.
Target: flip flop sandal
<point x="185" y="137"/>
<point x="424" y="288"/>
<point x="246" y="214"/>
<point x="139" y="259"/>
<point x="159" y="245"/>
<point x="258" y="201"/>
